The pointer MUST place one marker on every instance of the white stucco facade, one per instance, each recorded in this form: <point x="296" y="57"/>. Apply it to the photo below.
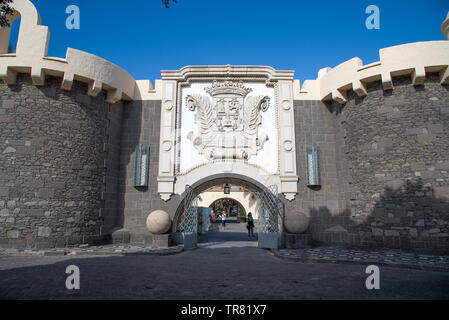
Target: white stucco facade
<point x="246" y="199"/>
<point x="225" y="119"/>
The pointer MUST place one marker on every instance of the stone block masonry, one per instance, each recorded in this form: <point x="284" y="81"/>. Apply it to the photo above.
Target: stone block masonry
<point x="393" y="159"/>
<point x="141" y="125"/>
<point x="314" y="125"/>
<point x="59" y="160"/>
<point x="67" y="167"/>
<point x="384" y="167"/>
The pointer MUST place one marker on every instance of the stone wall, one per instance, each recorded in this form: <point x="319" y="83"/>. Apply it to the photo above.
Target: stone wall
<point x="314" y="125"/>
<point x="67" y="167"/>
<point x="384" y="167"/>
<point x="55" y="145"/>
<point x="141" y="125"/>
<point x="393" y="152"/>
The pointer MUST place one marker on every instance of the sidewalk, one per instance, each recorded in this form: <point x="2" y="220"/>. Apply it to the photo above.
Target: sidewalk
<point x="391" y="258"/>
<point x="106" y="250"/>
<point x="234" y="235"/>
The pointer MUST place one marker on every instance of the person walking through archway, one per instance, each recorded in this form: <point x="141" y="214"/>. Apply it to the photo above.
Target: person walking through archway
<point x="212" y="220"/>
<point x="223" y="220"/>
<point x="250" y="225"/>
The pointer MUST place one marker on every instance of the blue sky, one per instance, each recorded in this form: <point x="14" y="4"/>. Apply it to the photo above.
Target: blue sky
<point x="143" y="37"/>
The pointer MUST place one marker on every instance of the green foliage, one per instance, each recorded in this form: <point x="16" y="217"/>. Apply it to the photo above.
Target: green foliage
<point x="228" y="206"/>
<point x="5" y="9"/>
<point x="167" y="3"/>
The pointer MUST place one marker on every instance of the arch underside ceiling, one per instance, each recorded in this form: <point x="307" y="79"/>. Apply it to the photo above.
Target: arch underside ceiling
<point x="244" y="175"/>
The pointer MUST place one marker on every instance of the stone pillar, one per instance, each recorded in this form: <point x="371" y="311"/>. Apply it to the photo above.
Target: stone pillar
<point x="287" y="144"/>
<point x="166" y="177"/>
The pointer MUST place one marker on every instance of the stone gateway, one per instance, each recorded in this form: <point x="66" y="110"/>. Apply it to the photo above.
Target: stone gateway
<point x="358" y="156"/>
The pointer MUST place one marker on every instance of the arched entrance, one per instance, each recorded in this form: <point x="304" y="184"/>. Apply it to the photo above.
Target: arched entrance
<point x="230" y="206"/>
<point x="270" y="208"/>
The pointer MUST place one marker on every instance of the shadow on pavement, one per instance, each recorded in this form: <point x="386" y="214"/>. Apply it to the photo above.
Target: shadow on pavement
<point x="233" y="235"/>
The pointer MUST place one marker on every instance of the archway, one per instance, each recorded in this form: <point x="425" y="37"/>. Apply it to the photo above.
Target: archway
<point x="270" y="213"/>
<point x="247" y="199"/>
<point x="217" y="180"/>
<point x="230" y="206"/>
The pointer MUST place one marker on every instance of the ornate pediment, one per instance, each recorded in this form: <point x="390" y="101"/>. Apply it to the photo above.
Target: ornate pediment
<point x="227" y="119"/>
<point x="228" y="87"/>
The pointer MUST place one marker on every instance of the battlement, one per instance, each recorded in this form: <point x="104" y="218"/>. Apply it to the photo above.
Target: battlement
<point x="31" y="57"/>
<point x="414" y="59"/>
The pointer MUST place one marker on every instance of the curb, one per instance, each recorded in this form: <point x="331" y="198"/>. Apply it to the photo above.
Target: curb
<point x="68" y="252"/>
<point x="379" y="263"/>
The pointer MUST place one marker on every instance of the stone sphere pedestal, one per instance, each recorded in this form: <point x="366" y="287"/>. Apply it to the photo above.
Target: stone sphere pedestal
<point x="158" y="222"/>
<point x="296" y="223"/>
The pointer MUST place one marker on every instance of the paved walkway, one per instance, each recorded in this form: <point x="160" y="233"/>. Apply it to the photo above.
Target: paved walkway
<point x="106" y="250"/>
<point x="226" y="266"/>
<point x="335" y="254"/>
<point x="235" y="235"/>
<point x="210" y="273"/>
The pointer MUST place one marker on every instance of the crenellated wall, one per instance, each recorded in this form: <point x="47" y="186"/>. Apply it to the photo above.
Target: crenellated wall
<point x="395" y="155"/>
<point x="59" y="164"/>
<point x="69" y="128"/>
<point x="388" y="167"/>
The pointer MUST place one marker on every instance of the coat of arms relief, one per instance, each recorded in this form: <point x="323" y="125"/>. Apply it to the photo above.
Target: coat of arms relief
<point x="228" y="120"/>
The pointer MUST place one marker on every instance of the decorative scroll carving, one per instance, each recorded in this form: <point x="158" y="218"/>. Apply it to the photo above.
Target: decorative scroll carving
<point x="227" y="125"/>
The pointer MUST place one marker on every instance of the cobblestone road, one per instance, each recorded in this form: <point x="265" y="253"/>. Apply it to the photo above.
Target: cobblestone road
<point x="392" y="258"/>
<point x="226" y="266"/>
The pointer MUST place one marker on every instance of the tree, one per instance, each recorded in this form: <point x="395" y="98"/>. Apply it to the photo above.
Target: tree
<point x="5" y="9"/>
<point x="167" y="3"/>
<point x="228" y="206"/>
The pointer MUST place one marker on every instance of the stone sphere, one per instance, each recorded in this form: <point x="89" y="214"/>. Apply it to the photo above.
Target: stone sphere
<point x="296" y="223"/>
<point x="158" y="222"/>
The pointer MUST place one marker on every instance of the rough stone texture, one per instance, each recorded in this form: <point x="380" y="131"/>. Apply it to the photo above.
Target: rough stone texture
<point x="296" y="241"/>
<point x="315" y="124"/>
<point x="67" y="167"/>
<point x="141" y="125"/>
<point x="296" y="222"/>
<point x="384" y="167"/>
<point x="158" y="222"/>
<point x="393" y="148"/>
<point x="55" y="146"/>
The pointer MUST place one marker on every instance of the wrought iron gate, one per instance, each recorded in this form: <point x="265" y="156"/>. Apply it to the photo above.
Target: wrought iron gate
<point x="270" y="218"/>
<point x="188" y="223"/>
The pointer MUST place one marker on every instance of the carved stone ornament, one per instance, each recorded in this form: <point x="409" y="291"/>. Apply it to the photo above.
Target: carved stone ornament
<point x="227" y="125"/>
